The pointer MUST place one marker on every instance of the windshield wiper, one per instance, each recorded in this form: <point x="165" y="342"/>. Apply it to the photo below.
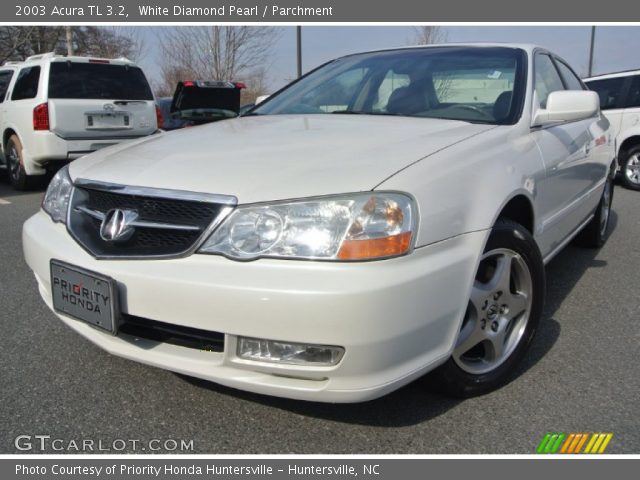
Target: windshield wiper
<point x="358" y="112"/>
<point x="349" y="112"/>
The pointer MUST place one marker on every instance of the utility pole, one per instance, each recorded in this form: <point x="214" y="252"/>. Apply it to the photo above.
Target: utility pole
<point x="593" y="41"/>
<point x="69" y="35"/>
<point x="299" y="49"/>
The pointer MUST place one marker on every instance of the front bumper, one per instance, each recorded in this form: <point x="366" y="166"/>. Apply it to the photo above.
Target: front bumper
<point x="396" y="319"/>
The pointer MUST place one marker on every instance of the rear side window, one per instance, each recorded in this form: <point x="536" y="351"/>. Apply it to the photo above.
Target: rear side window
<point x="5" y="78"/>
<point x="570" y="78"/>
<point x="610" y="91"/>
<point x="26" y="84"/>
<point x="97" y="81"/>
<point x="547" y="79"/>
<point x="633" y="99"/>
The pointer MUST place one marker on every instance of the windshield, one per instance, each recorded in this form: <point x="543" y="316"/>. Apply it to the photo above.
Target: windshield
<point x="97" y="80"/>
<point x="474" y="84"/>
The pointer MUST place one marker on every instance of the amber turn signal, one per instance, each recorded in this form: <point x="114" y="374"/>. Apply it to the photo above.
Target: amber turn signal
<point x="375" y="248"/>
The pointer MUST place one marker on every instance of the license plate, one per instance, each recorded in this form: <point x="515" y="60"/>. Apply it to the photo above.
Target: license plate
<point x="84" y="295"/>
<point x="116" y="120"/>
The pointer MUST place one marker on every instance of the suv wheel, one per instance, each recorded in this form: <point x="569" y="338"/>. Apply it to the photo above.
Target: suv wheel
<point x="630" y="169"/>
<point x="17" y="174"/>
<point x="502" y="315"/>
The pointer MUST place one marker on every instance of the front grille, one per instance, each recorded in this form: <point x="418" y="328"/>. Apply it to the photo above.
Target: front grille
<point x="161" y="223"/>
<point x="170" y="333"/>
<point x="158" y="209"/>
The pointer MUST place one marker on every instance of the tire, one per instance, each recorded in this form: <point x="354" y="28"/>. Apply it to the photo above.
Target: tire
<point x="502" y="315"/>
<point x="595" y="234"/>
<point x="630" y="168"/>
<point x="15" y="165"/>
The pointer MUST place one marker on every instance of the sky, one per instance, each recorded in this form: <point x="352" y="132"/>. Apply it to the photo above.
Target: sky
<point x="615" y="47"/>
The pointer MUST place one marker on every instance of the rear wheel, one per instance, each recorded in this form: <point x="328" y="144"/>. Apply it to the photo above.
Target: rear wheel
<point x="502" y="314"/>
<point x="630" y="169"/>
<point x="15" y="164"/>
<point x="595" y="234"/>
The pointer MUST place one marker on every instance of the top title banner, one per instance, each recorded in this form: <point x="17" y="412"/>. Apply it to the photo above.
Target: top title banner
<point x="303" y="11"/>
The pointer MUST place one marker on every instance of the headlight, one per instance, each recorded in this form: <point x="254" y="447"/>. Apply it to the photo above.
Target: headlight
<point x="56" y="200"/>
<point x="353" y="227"/>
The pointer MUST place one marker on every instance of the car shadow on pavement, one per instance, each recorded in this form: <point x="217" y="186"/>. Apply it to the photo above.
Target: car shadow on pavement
<point x="7" y="190"/>
<point x="419" y="401"/>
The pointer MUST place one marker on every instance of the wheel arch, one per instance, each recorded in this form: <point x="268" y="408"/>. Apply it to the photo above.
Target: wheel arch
<point x="8" y="132"/>
<point x="519" y="208"/>
<point x="630" y="141"/>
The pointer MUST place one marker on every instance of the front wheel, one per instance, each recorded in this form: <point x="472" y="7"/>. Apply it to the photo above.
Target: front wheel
<point x="502" y="314"/>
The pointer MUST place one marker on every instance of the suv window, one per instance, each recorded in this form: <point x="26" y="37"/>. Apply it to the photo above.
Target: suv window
<point x="633" y="100"/>
<point x="547" y="78"/>
<point x="26" y="84"/>
<point x="97" y="80"/>
<point x="571" y="79"/>
<point x="5" y="78"/>
<point x="609" y="90"/>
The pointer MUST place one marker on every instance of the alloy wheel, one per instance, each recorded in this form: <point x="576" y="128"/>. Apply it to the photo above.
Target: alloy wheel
<point x="14" y="163"/>
<point x="497" y="314"/>
<point x="632" y="169"/>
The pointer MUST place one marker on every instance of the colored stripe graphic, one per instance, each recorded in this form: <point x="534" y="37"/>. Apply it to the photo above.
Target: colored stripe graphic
<point x="598" y="443"/>
<point x="572" y="443"/>
<point x="551" y="443"/>
<point x="581" y="443"/>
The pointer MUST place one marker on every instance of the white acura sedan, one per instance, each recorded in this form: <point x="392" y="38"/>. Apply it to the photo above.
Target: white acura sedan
<point x="387" y="215"/>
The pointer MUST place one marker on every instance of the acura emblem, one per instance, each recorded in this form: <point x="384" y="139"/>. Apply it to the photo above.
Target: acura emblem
<point x="117" y="225"/>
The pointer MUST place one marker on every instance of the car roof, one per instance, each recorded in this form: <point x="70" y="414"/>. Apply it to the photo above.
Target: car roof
<point x="623" y="73"/>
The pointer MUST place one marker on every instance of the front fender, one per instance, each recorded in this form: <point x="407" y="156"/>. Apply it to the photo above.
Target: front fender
<point x="464" y="188"/>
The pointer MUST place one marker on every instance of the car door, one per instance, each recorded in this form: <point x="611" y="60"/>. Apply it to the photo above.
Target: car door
<point x="566" y="151"/>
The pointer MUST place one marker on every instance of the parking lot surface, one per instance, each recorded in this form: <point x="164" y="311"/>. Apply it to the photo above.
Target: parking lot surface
<point x="581" y="374"/>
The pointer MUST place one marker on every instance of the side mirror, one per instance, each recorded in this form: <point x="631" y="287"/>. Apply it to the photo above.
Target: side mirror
<point x="261" y="99"/>
<point x="567" y="106"/>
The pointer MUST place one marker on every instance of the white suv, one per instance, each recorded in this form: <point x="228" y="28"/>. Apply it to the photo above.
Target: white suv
<point x="620" y="101"/>
<point x="54" y="109"/>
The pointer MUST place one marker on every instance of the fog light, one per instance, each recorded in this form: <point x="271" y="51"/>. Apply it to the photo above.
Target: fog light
<point x="290" y="353"/>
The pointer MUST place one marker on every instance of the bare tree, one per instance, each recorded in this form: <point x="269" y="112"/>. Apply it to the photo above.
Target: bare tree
<point x="13" y="42"/>
<point x="68" y="32"/>
<point x="427" y="34"/>
<point x="138" y="48"/>
<point x="257" y="85"/>
<point x="17" y="43"/>
<point x="215" y="53"/>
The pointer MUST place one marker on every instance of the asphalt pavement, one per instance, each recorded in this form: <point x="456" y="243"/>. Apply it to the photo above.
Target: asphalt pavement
<point x="581" y="375"/>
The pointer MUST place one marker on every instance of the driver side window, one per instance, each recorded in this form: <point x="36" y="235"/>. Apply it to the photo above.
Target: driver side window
<point x="547" y="78"/>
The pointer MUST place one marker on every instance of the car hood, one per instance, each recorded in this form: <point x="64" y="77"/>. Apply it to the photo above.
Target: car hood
<point x="276" y="157"/>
